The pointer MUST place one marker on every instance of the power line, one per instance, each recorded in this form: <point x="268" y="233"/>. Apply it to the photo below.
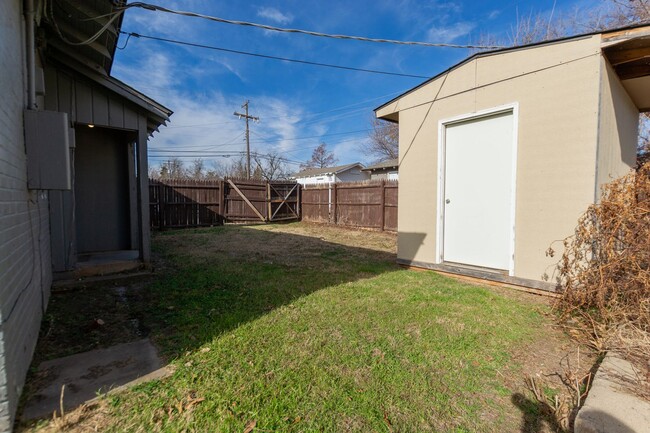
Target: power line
<point x="157" y="8"/>
<point x="265" y="56"/>
<point x="224" y="155"/>
<point x="344" y="109"/>
<point x="261" y="140"/>
<point x="264" y="140"/>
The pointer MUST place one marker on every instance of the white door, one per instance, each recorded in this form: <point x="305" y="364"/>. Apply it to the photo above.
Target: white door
<point x="478" y="226"/>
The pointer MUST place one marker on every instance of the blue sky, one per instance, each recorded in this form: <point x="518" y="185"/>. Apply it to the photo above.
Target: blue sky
<point x="299" y="105"/>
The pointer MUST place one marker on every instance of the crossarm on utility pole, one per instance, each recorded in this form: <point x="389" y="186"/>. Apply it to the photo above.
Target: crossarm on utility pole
<point x="247" y="117"/>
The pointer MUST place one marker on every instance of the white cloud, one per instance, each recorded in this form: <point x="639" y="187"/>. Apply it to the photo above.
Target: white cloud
<point x="274" y="15"/>
<point x="494" y="14"/>
<point x="204" y="121"/>
<point x="279" y="124"/>
<point x="447" y="34"/>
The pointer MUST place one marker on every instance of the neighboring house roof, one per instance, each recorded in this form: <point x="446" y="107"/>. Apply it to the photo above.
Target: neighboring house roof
<point x="505" y="50"/>
<point x="389" y="163"/>
<point x="311" y="172"/>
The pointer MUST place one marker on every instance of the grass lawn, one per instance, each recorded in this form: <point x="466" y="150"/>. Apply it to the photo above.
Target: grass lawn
<point x="303" y="328"/>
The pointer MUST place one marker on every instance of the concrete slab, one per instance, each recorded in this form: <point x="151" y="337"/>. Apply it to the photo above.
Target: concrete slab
<point x="610" y="406"/>
<point x="87" y="374"/>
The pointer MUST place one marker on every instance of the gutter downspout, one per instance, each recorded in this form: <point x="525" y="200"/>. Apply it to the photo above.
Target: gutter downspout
<point x="31" y="55"/>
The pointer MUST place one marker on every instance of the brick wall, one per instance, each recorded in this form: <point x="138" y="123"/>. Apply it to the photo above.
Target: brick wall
<point x="25" y="269"/>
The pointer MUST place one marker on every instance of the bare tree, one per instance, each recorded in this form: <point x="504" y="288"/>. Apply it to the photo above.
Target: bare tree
<point x="153" y="172"/>
<point x="320" y="158"/>
<point x="620" y="13"/>
<point x="217" y="170"/>
<point x="197" y="169"/>
<point x="172" y="169"/>
<point x="237" y="168"/>
<point x="538" y="28"/>
<point x="272" y="166"/>
<point x="384" y="140"/>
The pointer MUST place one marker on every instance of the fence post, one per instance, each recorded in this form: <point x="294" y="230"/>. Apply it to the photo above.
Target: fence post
<point x="299" y="202"/>
<point x="162" y="194"/>
<point x="222" y="201"/>
<point x="382" y="202"/>
<point x="268" y="201"/>
<point x="334" y="201"/>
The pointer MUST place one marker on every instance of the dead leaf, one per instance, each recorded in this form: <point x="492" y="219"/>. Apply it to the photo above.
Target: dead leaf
<point x="192" y="401"/>
<point x="250" y="426"/>
<point x="100" y="322"/>
<point x="387" y="420"/>
<point x="205" y="350"/>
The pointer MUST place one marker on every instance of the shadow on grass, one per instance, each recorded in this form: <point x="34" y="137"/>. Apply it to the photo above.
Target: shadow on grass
<point x="536" y="415"/>
<point x="539" y="417"/>
<point x="207" y="282"/>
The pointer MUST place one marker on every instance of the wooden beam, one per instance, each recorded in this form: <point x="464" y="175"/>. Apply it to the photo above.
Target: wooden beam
<point x="241" y="194"/>
<point x="636" y="70"/>
<point x="626" y="34"/>
<point x="619" y="57"/>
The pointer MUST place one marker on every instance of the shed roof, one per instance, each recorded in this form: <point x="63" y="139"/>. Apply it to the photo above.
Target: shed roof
<point x="73" y="21"/>
<point x="635" y="54"/>
<point x="311" y="172"/>
<point x="389" y="163"/>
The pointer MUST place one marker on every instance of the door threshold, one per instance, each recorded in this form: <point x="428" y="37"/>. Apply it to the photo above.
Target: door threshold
<point x="476" y="268"/>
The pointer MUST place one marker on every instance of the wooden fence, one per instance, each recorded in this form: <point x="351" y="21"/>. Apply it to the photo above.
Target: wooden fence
<point x="366" y="204"/>
<point x="178" y="203"/>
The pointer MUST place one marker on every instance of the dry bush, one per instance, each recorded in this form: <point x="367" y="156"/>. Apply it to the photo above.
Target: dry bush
<point x="605" y="269"/>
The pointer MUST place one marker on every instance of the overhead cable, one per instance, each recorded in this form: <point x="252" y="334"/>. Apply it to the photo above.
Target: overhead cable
<point x="157" y="8"/>
<point x="50" y="16"/>
<point x="265" y="56"/>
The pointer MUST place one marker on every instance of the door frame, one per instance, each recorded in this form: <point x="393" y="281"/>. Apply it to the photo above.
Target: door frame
<point x="440" y="211"/>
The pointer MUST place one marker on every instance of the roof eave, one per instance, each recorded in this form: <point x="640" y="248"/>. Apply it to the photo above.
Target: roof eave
<point x="387" y="115"/>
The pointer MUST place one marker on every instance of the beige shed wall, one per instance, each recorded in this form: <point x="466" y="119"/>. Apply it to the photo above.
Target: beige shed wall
<point x="618" y="129"/>
<point x="556" y="88"/>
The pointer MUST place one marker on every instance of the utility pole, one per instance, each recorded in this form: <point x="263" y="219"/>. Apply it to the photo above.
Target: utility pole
<point x="247" y="117"/>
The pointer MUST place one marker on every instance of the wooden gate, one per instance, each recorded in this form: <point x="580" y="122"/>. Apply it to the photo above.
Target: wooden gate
<point x="178" y="203"/>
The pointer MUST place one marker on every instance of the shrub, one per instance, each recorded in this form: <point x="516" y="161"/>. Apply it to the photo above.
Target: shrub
<point x="604" y="271"/>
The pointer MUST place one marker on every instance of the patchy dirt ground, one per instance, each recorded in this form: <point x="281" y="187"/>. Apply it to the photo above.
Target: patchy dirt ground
<point x="550" y="373"/>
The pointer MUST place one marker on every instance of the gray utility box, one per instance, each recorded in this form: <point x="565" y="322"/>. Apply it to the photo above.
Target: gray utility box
<point x="47" y="142"/>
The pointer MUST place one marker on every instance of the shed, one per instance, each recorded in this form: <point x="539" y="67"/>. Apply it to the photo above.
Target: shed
<point x="500" y="154"/>
<point x="386" y="170"/>
<point x="327" y="175"/>
<point x="104" y="216"/>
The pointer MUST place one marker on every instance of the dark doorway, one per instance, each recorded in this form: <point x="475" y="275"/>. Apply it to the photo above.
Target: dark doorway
<point x="101" y="189"/>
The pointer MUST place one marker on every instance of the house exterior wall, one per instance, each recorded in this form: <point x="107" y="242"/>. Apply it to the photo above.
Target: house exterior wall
<point x="618" y="129"/>
<point x="316" y="180"/>
<point x="25" y="268"/>
<point x="556" y="90"/>
<point x="352" y="175"/>
<point x="384" y="174"/>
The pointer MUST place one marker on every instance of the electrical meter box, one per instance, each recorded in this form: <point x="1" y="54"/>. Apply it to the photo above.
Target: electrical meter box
<point x="47" y="142"/>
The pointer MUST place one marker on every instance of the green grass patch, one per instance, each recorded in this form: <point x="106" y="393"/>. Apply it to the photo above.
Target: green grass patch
<point x="298" y="333"/>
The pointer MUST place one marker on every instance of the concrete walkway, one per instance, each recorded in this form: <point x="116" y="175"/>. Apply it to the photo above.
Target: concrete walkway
<point x="610" y="406"/>
<point x="87" y="374"/>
